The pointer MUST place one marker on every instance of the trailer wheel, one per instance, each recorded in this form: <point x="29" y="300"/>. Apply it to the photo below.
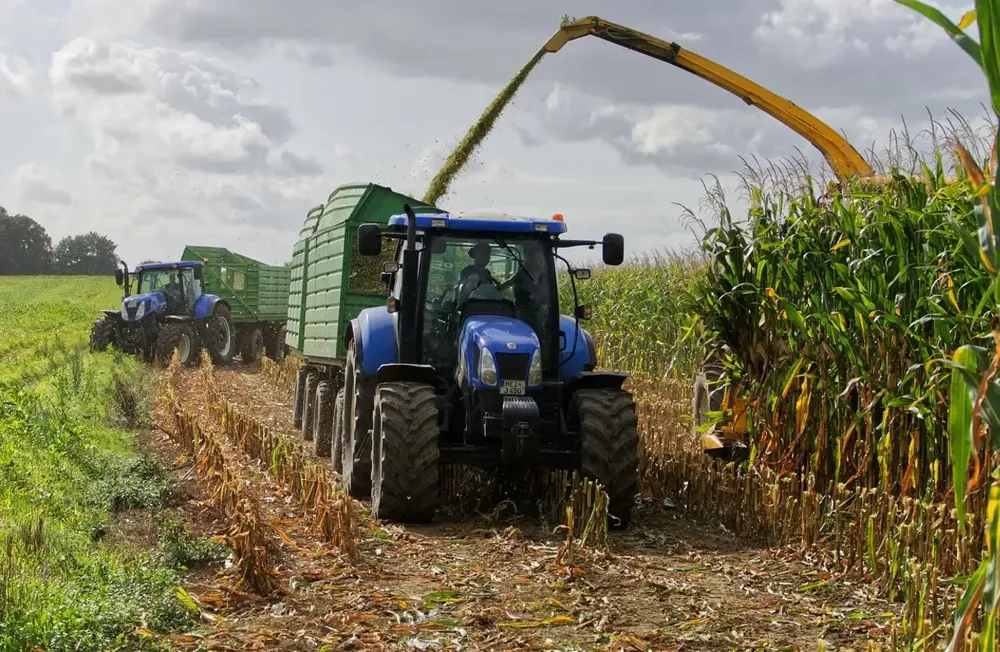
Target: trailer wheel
<point x="220" y="336"/>
<point x="253" y="346"/>
<point x="298" y="401"/>
<point x="358" y="406"/>
<point x="179" y="337"/>
<point x="609" y="435"/>
<point x="324" y="417"/>
<point x="309" y="405"/>
<point x="337" y="433"/>
<point x="276" y="345"/>
<point x="102" y="334"/>
<point x="405" y="453"/>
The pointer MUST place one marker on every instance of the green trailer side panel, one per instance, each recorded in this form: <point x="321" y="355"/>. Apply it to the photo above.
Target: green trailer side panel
<point x="255" y="292"/>
<point x="330" y="282"/>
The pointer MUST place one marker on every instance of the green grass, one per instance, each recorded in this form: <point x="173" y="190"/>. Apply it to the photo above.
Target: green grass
<point x="66" y="465"/>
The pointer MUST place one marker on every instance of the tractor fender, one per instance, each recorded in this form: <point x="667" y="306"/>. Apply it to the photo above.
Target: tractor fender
<point x="584" y="358"/>
<point x="406" y="373"/>
<point x="595" y="380"/>
<point x="116" y="314"/>
<point x="374" y="331"/>
<point x="204" y="306"/>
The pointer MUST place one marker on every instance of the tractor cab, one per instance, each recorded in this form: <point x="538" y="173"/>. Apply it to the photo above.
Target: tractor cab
<point x="164" y="288"/>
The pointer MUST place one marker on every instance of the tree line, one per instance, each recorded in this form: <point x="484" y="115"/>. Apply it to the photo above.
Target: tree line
<point x="26" y="249"/>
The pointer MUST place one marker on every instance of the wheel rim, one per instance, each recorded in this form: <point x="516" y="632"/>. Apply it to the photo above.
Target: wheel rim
<point x="225" y="337"/>
<point x="184" y="347"/>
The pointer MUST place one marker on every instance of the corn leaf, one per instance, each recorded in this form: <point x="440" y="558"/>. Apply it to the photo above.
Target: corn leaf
<point x="989" y="37"/>
<point x="968" y="18"/>
<point x="960" y="426"/>
<point x="961" y="38"/>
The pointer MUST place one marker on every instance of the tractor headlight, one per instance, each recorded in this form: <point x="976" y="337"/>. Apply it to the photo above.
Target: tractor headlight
<point x="124" y="312"/>
<point x="535" y="370"/>
<point x="141" y="311"/>
<point x="487" y="367"/>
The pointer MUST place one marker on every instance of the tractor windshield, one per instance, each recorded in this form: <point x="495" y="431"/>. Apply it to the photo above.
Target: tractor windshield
<point x="468" y="269"/>
<point x="179" y="285"/>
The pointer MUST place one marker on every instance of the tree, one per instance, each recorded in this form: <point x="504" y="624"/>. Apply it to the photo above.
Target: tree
<point x="89" y="254"/>
<point x="25" y="247"/>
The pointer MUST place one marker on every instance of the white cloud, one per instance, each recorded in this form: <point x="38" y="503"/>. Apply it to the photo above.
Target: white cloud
<point x="33" y="184"/>
<point x="17" y="77"/>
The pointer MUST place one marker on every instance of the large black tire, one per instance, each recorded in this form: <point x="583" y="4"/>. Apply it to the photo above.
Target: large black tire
<point x="298" y="401"/>
<point x="252" y="346"/>
<point x="309" y="405"/>
<point x="358" y="406"/>
<point x="102" y="334"/>
<point x="276" y="345"/>
<point x="220" y="336"/>
<point x="178" y="336"/>
<point x="337" y="433"/>
<point x="609" y="434"/>
<point x="321" y="423"/>
<point x="405" y="453"/>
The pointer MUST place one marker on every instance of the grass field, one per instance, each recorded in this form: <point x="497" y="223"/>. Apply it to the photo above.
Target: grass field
<point x="68" y="465"/>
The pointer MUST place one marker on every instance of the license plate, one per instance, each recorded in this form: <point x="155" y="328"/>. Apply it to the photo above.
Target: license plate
<point x="512" y="387"/>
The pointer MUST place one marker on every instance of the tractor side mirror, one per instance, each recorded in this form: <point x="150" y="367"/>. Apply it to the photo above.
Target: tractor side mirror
<point x="581" y="274"/>
<point x="583" y="312"/>
<point x="119" y="276"/>
<point x="613" y="247"/>
<point x="370" y="239"/>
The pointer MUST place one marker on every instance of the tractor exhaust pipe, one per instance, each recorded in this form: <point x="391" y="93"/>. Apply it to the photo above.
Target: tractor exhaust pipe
<point x="408" y="345"/>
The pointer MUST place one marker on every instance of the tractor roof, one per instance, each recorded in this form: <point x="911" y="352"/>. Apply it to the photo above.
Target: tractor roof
<point x="489" y="222"/>
<point x="183" y="264"/>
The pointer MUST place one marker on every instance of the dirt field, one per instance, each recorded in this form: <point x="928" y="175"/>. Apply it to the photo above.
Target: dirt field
<point x="500" y="581"/>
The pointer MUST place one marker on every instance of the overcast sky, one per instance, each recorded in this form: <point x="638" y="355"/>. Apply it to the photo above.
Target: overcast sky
<point x="171" y="122"/>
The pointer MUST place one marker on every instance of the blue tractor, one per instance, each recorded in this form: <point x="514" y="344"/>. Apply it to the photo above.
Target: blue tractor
<point x="470" y="362"/>
<point x="169" y="311"/>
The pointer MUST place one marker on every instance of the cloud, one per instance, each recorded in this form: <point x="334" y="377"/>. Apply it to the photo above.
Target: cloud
<point x="181" y="134"/>
<point x="35" y="184"/>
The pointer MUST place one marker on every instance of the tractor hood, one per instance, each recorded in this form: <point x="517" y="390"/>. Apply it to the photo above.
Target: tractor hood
<point x="511" y="342"/>
<point x="138" y="306"/>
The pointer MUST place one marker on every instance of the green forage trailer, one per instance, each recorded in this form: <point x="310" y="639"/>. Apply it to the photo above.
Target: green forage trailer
<point x="257" y="295"/>
<point x="331" y="283"/>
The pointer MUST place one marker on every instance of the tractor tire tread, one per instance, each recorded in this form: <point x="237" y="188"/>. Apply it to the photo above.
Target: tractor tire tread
<point x="337" y="433"/>
<point x="610" y="447"/>
<point x="321" y="427"/>
<point x="166" y="342"/>
<point x="102" y="334"/>
<point x="220" y="358"/>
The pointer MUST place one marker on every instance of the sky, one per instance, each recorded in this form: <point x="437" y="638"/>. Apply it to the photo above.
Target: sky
<point x="162" y="123"/>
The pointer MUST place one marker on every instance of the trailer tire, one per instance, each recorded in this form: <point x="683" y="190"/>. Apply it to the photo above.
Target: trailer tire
<point x="176" y="336"/>
<point x="358" y="406"/>
<point x="220" y="335"/>
<point x="275" y="346"/>
<point x="337" y="433"/>
<point x="405" y="453"/>
<point x="253" y="346"/>
<point x="298" y="400"/>
<point x="309" y="405"/>
<point x="324" y="417"/>
<point x="102" y="334"/>
<point x="609" y="435"/>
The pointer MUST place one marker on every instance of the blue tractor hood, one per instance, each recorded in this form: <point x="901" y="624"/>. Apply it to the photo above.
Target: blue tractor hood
<point x="511" y="341"/>
<point x="138" y="306"/>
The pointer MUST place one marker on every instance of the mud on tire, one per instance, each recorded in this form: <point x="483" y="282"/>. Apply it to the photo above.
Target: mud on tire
<point x="176" y="336"/>
<point x="608" y="427"/>
<point x="405" y="453"/>
<point x="102" y="334"/>
<point x="337" y="433"/>
<point x="309" y="405"/>
<point x="324" y="416"/>
<point x="358" y="405"/>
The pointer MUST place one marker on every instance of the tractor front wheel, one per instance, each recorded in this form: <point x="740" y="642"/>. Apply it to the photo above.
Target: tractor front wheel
<point x="220" y="337"/>
<point x="609" y="434"/>
<point x="179" y="337"/>
<point x="405" y="453"/>
<point x="253" y="346"/>
<point x="358" y="405"/>
<point x="102" y="335"/>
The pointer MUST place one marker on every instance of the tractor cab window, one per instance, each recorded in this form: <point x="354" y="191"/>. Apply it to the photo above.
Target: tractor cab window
<point x="192" y="288"/>
<point x="463" y="271"/>
<point x="168" y="281"/>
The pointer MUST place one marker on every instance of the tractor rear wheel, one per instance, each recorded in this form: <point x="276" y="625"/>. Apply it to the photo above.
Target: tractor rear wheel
<point x="252" y="346"/>
<point x="176" y="336"/>
<point x="324" y="415"/>
<point x="405" y="453"/>
<point x="102" y="334"/>
<point x="358" y="405"/>
<point x="609" y="434"/>
<point x="337" y="433"/>
<point x="220" y="336"/>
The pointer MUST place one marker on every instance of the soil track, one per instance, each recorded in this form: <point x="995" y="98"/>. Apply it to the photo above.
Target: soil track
<point x="494" y="583"/>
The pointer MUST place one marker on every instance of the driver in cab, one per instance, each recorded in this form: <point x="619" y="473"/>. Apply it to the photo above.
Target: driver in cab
<point x="477" y="273"/>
